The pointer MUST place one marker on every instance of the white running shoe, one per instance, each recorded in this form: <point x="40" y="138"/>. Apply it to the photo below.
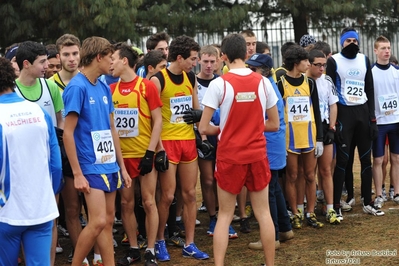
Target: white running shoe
<point x="345" y="206"/>
<point x="371" y="210"/>
<point x="378" y="202"/>
<point x="391" y="193"/>
<point x="339" y="214"/>
<point x="384" y="194"/>
<point x="396" y="199"/>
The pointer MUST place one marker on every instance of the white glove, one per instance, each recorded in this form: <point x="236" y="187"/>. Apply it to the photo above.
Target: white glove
<point x="319" y="149"/>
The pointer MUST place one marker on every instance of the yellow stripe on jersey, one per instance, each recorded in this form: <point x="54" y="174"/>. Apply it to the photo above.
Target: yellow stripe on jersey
<point x="176" y="99"/>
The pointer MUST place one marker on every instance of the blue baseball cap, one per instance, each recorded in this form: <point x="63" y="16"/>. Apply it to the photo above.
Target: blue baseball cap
<point x="258" y="60"/>
<point x="11" y="53"/>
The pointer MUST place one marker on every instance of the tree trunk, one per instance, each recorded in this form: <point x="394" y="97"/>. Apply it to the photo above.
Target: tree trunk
<point x="300" y="25"/>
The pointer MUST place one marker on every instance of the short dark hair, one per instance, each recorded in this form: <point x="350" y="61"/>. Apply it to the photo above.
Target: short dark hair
<point x="51" y="51"/>
<point x="182" y="45"/>
<point x="285" y="46"/>
<point x="294" y="55"/>
<point x="153" y="58"/>
<point x="315" y="53"/>
<point x="127" y="51"/>
<point x="29" y="51"/>
<point x="261" y="47"/>
<point x="234" y="47"/>
<point x="322" y="46"/>
<point x="154" y="39"/>
<point x="7" y="75"/>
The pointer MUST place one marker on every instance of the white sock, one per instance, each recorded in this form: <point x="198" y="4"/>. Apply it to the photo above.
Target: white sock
<point x="329" y="207"/>
<point x="152" y="250"/>
<point x="300" y="207"/>
<point x="86" y="261"/>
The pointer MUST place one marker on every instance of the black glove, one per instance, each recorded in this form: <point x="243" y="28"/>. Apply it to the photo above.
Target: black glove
<point x="338" y="137"/>
<point x="329" y="136"/>
<point x="146" y="163"/>
<point x="373" y="130"/>
<point x="161" y="161"/>
<point x="192" y="116"/>
<point x="205" y="150"/>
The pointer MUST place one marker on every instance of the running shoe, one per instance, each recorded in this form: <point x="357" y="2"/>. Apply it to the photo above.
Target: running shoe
<point x="332" y="218"/>
<point x="149" y="259"/>
<point x="176" y="241"/>
<point x="161" y="252"/>
<point x="391" y="193"/>
<point x="117" y="221"/>
<point x="98" y="263"/>
<point x="296" y="221"/>
<point x="372" y="210"/>
<point x="125" y="240"/>
<point x="82" y="220"/>
<point x="339" y="214"/>
<point x="352" y="202"/>
<point x="284" y="236"/>
<point x="320" y="196"/>
<point x="345" y="207"/>
<point x="62" y="231"/>
<point x="378" y="202"/>
<point x="132" y="256"/>
<point x="312" y="221"/>
<point x="248" y="210"/>
<point x="191" y="251"/>
<point x="211" y="229"/>
<point x="384" y="194"/>
<point x="232" y="233"/>
<point x="141" y="242"/>
<point x="396" y="198"/>
<point x="202" y="208"/>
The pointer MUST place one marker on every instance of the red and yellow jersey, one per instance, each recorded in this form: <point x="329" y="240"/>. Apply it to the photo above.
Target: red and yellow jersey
<point x="298" y="116"/>
<point x="133" y="102"/>
<point x="176" y="98"/>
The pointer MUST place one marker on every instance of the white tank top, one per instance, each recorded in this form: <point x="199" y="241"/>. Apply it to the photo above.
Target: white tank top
<point x="351" y="83"/>
<point x="386" y="93"/>
<point x="45" y="101"/>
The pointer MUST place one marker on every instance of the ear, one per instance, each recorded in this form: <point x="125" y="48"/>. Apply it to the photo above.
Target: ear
<point x="26" y="64"/>
<point x="150" y="68"/>
<point x="58" y="56"/>
<point x="99" y="57"/>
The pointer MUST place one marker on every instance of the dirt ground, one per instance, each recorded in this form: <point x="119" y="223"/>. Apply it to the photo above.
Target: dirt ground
<point x="360" y="239"/>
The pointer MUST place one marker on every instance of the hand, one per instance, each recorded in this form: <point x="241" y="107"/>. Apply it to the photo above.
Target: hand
<point x="329" y="137"/>
<point x="127" y="180"/>
<point x="319" y="149"/>
<point x="373" y="130"/>
<point x="338" y="137"/>
<point x="81" y="184"/>
<point x="161" y="161"/>
<point x="192" y="116"/>
<point x="146" y="163"/>
<point x="205" y="150"/>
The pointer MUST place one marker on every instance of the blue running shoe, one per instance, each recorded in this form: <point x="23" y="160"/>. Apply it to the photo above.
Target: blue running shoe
<point x="161" y="252"/>
<point x="232" y="233"/>
<point x="193" y="252"/>
<point x="211" y="229"/>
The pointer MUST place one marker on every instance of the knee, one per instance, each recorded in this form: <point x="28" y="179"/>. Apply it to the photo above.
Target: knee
<point x="127" y="204"/>
<point x="167" y="198"/>
<point x="149" y="204"/>
<point x="72" y="211"/>
<point x="189" y="195"/>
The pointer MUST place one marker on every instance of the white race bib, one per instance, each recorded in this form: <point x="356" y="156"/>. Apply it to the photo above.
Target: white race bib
<point x="127" y="122"/>
<point x="354" y="91"/>
<point x="103" y="146"/>
<point x="178" y="105"/>
<point x="388" y="103"/>
<point x="298" y="109"/>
